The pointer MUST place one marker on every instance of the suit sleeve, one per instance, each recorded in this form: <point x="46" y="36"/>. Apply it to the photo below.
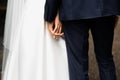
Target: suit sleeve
<point x="51" y="9"/>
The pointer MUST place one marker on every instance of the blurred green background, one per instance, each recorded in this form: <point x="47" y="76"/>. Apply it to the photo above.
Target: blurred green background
<point x="93" y="70"/>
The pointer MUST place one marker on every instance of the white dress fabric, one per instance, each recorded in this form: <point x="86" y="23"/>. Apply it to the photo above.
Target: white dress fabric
<point x="30" y="53"/>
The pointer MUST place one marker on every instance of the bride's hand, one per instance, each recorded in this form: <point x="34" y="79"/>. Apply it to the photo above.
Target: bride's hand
<point x="57" y="30"/>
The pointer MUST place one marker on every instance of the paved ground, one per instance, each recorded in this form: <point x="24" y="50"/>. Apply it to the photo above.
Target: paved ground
<point x="92" y="62"/>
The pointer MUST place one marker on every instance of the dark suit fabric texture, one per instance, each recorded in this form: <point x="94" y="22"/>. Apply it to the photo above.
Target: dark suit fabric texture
<point x="80" y="9"/>
<point x="76" y="38"/>
<point x="78" y="17"/>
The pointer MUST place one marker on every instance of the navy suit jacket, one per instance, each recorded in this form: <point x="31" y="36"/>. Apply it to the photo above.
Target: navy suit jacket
<point x="80" y="9"/>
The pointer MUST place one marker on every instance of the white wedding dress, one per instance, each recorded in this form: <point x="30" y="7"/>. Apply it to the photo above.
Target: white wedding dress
<point x="30" y="53"/>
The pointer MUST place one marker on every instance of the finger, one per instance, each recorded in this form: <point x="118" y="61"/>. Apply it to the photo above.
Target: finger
<point x="62" y="34"/>
<point x="56" y="32"/>
<point x="58" y="35"/>
<point x="60" y="30"/>
<point x="55" y="29"/>
<point x="50" y="27"/>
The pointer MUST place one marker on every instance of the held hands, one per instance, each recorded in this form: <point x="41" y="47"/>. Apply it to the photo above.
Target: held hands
<point x="55" y="28"/>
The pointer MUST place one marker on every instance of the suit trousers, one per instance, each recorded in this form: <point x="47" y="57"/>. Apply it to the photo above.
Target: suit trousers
<point x="76" y="38"/>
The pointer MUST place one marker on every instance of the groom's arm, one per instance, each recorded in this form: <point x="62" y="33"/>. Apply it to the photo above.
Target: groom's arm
<point x="51" y="9"/>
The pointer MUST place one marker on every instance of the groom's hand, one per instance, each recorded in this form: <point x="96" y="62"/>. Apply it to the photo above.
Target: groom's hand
<point x="55" y="28"/>
<point x="58" y="27"/>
